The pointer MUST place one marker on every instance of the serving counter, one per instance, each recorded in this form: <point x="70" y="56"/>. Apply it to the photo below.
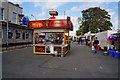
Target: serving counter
<point x="57" y="50"/>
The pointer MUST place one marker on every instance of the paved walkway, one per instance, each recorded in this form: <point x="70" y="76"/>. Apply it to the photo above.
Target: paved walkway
<point x="81" y="62"/>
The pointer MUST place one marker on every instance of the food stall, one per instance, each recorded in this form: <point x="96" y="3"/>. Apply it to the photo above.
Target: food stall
<point x="55" y="39"/>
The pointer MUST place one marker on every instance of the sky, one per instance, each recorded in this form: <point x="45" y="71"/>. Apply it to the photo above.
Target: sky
<point x="73" y="9"/>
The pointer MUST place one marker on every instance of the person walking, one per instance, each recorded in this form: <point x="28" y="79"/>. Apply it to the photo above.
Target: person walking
<point x="81" y="40"/>
<point x="86" y="40"/>
<point x="95" y="43"/>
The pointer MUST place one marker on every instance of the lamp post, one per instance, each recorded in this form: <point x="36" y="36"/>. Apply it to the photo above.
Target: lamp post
<point x="7" y="23"/>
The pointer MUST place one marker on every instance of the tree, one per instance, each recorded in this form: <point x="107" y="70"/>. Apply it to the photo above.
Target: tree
<point x="95" y="20"/>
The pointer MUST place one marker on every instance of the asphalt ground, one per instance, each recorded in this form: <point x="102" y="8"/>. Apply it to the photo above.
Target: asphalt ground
<point x="80" y="62"/>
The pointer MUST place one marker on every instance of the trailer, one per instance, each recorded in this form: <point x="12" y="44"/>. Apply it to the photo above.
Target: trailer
<point x="102" y="38"/>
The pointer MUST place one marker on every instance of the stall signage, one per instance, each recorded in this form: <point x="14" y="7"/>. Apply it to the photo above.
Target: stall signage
<point x="48" y="24"/>
<point x="36" y="24"/>
<point x="40" y="49"/>
<point x="58" y="23"/>
<point x="58" y="49"/>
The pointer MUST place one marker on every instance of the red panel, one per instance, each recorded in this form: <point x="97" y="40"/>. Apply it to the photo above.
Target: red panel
<point x="64" y="23"/>
<point x="58" y="23"/>
<point x="52" y="18"/>
<point x="40" y="49"/>
<point x="58" y="49"/>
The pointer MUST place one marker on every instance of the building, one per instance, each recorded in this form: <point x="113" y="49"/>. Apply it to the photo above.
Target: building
<point x="17" y="33"/>
<point x="15" y="12"/>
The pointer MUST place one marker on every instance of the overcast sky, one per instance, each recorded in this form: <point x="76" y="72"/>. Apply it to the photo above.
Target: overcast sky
<point x="40" y="9"/>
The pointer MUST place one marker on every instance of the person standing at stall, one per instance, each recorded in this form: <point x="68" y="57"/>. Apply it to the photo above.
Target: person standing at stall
<point x="95" y="43"/>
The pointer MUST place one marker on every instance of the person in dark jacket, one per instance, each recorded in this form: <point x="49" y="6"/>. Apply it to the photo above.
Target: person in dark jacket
<point x="86" y="40"/>
<point x="79" y="40"/>
<point x="95" y="43"/>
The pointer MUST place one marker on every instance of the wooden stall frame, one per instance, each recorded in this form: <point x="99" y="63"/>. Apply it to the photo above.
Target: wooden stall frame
<point x="33" y="37"/>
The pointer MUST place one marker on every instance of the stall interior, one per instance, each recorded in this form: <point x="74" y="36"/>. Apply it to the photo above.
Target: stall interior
<point x="51" y="38"/>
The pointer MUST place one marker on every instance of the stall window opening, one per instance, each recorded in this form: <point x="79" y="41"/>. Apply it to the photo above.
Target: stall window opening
<point x="10" y="34"/>
<point x="17" y="35"/>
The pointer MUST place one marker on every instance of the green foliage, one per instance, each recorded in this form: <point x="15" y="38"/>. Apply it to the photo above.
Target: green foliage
<point x="95" y="20"/>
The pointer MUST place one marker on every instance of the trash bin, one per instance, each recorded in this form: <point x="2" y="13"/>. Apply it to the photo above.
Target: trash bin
<point x="111" y="53"/>
<point x="98" y="47"/>
<point x="116" y="55"/>
<point x="90" y="44"/>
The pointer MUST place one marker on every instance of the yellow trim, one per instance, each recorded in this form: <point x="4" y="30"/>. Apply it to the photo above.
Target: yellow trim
<point x="64" y="37"/>
<point x="34" y="37"/>
<point x="57" y="46"/>
<point x="68" y="37"/>
<point x="39" y="45"/>
<point x="66" y="51"/>
<point x="34" y="49"/>
<point x="41" y="53"/>
<point x="45" y="39"/>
